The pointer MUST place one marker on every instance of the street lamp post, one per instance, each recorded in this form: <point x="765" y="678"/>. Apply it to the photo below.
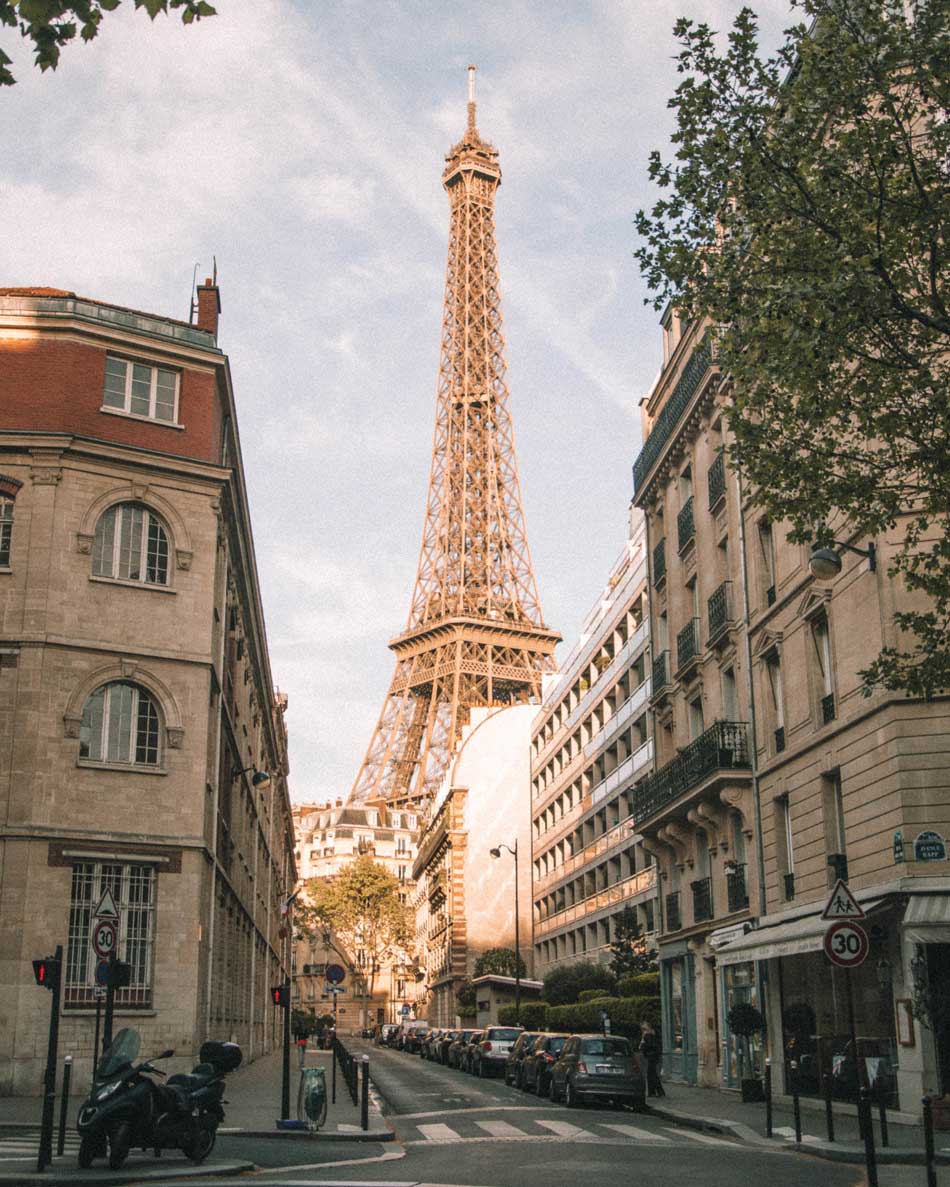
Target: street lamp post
<point x="496" y="852"/>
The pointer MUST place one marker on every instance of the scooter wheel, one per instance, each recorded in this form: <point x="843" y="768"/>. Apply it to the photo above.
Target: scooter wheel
<point x="87" y="1152"/>
<point x="200" y="1145"/>
<point x="120" y="1141"/>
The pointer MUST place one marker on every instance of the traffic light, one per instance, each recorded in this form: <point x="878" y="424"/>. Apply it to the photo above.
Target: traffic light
<point x="120" y="975"/>
<point x="280" y="995"/>
<point x="46" y="970"/>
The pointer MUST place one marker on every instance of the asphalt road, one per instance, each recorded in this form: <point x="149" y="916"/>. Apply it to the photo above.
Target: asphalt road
<point x="453" y="1129"/>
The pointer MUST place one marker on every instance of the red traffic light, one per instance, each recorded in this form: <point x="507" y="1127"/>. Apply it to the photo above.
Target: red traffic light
<point x="280" y="996"/>
<point x="46" y="971"/>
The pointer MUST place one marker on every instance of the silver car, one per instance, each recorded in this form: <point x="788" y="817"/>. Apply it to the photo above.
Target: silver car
<point x="593" y="1065"/>
<point x="491" y="1054"/>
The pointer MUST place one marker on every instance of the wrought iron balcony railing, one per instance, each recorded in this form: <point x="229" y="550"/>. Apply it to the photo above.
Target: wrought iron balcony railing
<point x="828" y="708"/>
<point x="702" y="899"/>
<point x="692" y="376"/>
<point x="659" y="562"/>
<point x="724" y="746"/>
<point x="687" y="644"/>
<point x="661" y="672"/>
<point x="685" y="524"/>
<point x="673" y="920"/>
<point x="719" y="609"/>
<point x="737" y="893"/>
<point x="716" y="481"/>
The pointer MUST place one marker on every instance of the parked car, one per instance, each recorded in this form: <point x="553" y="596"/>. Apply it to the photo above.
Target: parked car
<point x="468" y="1052"/>
<point x="457" y="1046"/>
<point x="513" y="1064"/>
<point x="491" y="1054"/>
<point x="414" y="1040"/>
<point x="446" y="1039"/>
<point x="384" y="1033"/>
<point x="409" y="1034"/>
<point x="428" y="1046"/>
<point x="604" y="1066"/>
<point x="537" y="1063"/>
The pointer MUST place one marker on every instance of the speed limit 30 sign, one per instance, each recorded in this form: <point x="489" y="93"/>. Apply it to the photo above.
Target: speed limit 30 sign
<point x="846" y="943"/>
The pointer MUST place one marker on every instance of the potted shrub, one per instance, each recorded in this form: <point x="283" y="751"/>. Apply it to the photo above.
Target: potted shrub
<point x="744" y="1021"/>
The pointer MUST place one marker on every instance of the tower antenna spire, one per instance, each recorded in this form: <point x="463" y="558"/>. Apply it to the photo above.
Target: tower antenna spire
<point x="471" y="98"/>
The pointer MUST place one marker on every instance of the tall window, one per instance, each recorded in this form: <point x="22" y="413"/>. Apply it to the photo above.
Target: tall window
<point x="773" y="668"/>
<point x="785" y="844"/>
<point x="6" y="531"/>
<point x="833" y="802"/>
<point x="131" y="544"/>
<point x="767" y="560"/>
<point x="730" y="704"/>
<point x="821" y="642"/>
<point x="141" y="390"/>
<point x="120" y="724"/>
<point x="696" y="725"/>
<point x="133" y="890"/>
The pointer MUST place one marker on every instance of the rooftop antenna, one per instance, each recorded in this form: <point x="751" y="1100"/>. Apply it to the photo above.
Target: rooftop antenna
<point x="191" y="303"/>
<point x="214" y="274"/>
<point x="471" y="97"/>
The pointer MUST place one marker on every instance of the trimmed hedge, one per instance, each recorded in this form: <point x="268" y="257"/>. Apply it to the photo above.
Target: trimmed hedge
<point x="639" y="985"/>
<point x="592" y="995"/>
<point x="625" y="1013"/>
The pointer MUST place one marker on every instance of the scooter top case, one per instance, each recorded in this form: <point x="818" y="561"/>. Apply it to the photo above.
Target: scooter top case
<point x="223" y="1057"/>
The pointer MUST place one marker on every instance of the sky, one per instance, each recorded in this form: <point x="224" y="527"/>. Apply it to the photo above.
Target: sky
<point x="301" y="144"/>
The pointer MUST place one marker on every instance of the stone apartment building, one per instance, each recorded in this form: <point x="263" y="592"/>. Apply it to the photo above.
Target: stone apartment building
<point x="143" y="749"/>
<point x="591" y="743"/>
<point x="330" y="836"/>
<point x="777" y="774"/>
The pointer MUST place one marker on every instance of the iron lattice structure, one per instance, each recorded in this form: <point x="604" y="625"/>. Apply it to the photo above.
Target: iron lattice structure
<point x="475" y="635"/>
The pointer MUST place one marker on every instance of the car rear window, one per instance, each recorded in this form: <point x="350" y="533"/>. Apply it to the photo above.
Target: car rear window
<point x="557" y="1043"/>
<point x="504" y="1034"/>
<point x="605" y="1047"/>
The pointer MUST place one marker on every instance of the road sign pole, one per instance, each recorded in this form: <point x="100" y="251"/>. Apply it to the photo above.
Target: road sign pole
<point x="45" y="1156"/>
<point x="95" y="1042"/>
<point x="110" y="1003"/>
<point x="285" y="1077"/>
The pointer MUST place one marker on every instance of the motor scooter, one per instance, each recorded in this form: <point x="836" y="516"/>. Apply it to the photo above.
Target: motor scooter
<point x="126" y="1108"/>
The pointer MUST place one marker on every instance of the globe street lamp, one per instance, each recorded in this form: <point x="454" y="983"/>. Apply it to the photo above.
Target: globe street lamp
<point x="825" y="563"/>
<point x="496" y="852"/>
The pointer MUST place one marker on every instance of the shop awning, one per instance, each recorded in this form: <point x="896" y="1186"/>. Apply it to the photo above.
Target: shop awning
<point x="927" y="919"/>
<point x="804" y="934"/>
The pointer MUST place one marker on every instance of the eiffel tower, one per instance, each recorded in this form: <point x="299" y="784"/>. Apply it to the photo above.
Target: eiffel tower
<point x="475" y="635"/>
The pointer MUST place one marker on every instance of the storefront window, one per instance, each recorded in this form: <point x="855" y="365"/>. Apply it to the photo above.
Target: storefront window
<point x="676" y="1005"/>
<point x="817" y="1032"/>
<point x="743" y="1054"/>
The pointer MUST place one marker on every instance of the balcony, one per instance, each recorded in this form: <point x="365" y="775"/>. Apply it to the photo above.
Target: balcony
<point x="691" y="377"/>
<point x="724" y="746"/>
<point x="719" y="612"/>
<point x="716" y="481"/>
<point x="737" y="892"/>
<point x="687" y="646"/>
<point x="702" y="899"/>
<point x="828" y="708"/>
<point x="609" y="896"/>
<point x="659" y="562"/>
<point x="673" y="920"/>
<point x="685" y="526"/>
<point x="661" y="673"/>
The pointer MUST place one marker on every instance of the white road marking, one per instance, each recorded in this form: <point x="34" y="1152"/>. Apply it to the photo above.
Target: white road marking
<point x="565" y="1129"/>
<point x="500" y="1129"/>
<point x="439" y="1133"/>
<point x="631" y="1131"/>
<point x="705" y="1138"/>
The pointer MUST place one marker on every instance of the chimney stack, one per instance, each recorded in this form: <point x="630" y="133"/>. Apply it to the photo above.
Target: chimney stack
<point x="209" y="306"/>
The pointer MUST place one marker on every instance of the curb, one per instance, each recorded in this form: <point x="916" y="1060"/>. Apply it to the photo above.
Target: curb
<point x="829" y="1151"/>
<point x="303" y="1135"/>
<point x="129" y="1174"/>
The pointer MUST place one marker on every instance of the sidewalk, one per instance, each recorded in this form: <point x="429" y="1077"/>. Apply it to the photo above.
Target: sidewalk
<point x="720" y="1111"/>
<point x="252" y="1106"/>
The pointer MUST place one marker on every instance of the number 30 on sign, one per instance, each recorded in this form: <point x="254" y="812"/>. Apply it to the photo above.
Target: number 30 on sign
<point x="846" y="943"/>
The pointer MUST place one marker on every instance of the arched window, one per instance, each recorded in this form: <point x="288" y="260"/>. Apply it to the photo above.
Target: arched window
<point x="120" y="723"/>
<point x="131" y="544"/>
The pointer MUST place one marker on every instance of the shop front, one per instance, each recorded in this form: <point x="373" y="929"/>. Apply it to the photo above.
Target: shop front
<point x="678" y="1006"/>
<point x="743" y="1055"/>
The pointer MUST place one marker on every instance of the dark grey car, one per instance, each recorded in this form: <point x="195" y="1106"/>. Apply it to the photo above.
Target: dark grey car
<point x="604" y="1066"/>
<point x="537" y="1063"/>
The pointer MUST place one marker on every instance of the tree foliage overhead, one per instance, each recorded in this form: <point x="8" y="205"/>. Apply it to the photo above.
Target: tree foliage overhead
<point x="501" y="962"/>
<point x="362" y="908"/>
<point x="805" y="213"/>
<point x="51" y="24"/>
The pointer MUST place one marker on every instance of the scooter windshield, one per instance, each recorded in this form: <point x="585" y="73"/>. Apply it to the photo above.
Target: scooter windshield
<point x="119" y="1054"/>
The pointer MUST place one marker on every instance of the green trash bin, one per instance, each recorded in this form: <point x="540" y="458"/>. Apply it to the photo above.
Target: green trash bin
<point x="312" y="1096"/>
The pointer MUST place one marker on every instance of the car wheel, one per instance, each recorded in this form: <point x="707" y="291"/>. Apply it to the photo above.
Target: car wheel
<point x="519" y="1078"/>
<point x="571" y="1096"/>
<point x="507" y="1077"/>
<point x="552" y="1090"/>
<point x="482" y="1070"/>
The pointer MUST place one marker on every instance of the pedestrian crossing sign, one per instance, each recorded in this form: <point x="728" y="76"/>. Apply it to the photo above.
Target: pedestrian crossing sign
<point x="842" y="904"/>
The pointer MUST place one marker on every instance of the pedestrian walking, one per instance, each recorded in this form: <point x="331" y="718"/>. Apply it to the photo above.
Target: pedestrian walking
<point x="651" y="1049"/>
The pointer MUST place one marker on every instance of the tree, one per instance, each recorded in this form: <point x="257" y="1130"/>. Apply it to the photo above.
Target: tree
<point x="629" y="951"/>
<point x="805" y="215"/>
<point x="361" y="906"/>
<point x="500" y="961"/>
<point x="50" y="24"/>
<point x="563" y="983"/>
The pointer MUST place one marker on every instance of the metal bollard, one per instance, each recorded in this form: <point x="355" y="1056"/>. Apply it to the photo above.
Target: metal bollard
<point x="929" y="1142"/>
<point x="333" y="1077"/>
<point x="364" y="1097"/>
<point x="64" y="1104"/>
<point x="867" y="1126"/>
<point x="796" y="1101"/>
<point x="768" y="1098"/>
<point x="829" y="1114"/>
<point x="882" y="1112"/>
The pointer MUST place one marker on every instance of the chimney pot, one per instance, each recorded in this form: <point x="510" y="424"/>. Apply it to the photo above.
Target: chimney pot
<point x="209" y="306"/>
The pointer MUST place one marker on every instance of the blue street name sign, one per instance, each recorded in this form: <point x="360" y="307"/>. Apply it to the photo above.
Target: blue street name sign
<point x="930" y="846"/>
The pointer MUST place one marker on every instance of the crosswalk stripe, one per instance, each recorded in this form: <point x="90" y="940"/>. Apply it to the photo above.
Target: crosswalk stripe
<point x="631" y="1131"/>
<point x="440" y="1133"/>
<point x="565" y="1129"/>
<point x="699" y="1137"/>
<point x="500" y="1129"/>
